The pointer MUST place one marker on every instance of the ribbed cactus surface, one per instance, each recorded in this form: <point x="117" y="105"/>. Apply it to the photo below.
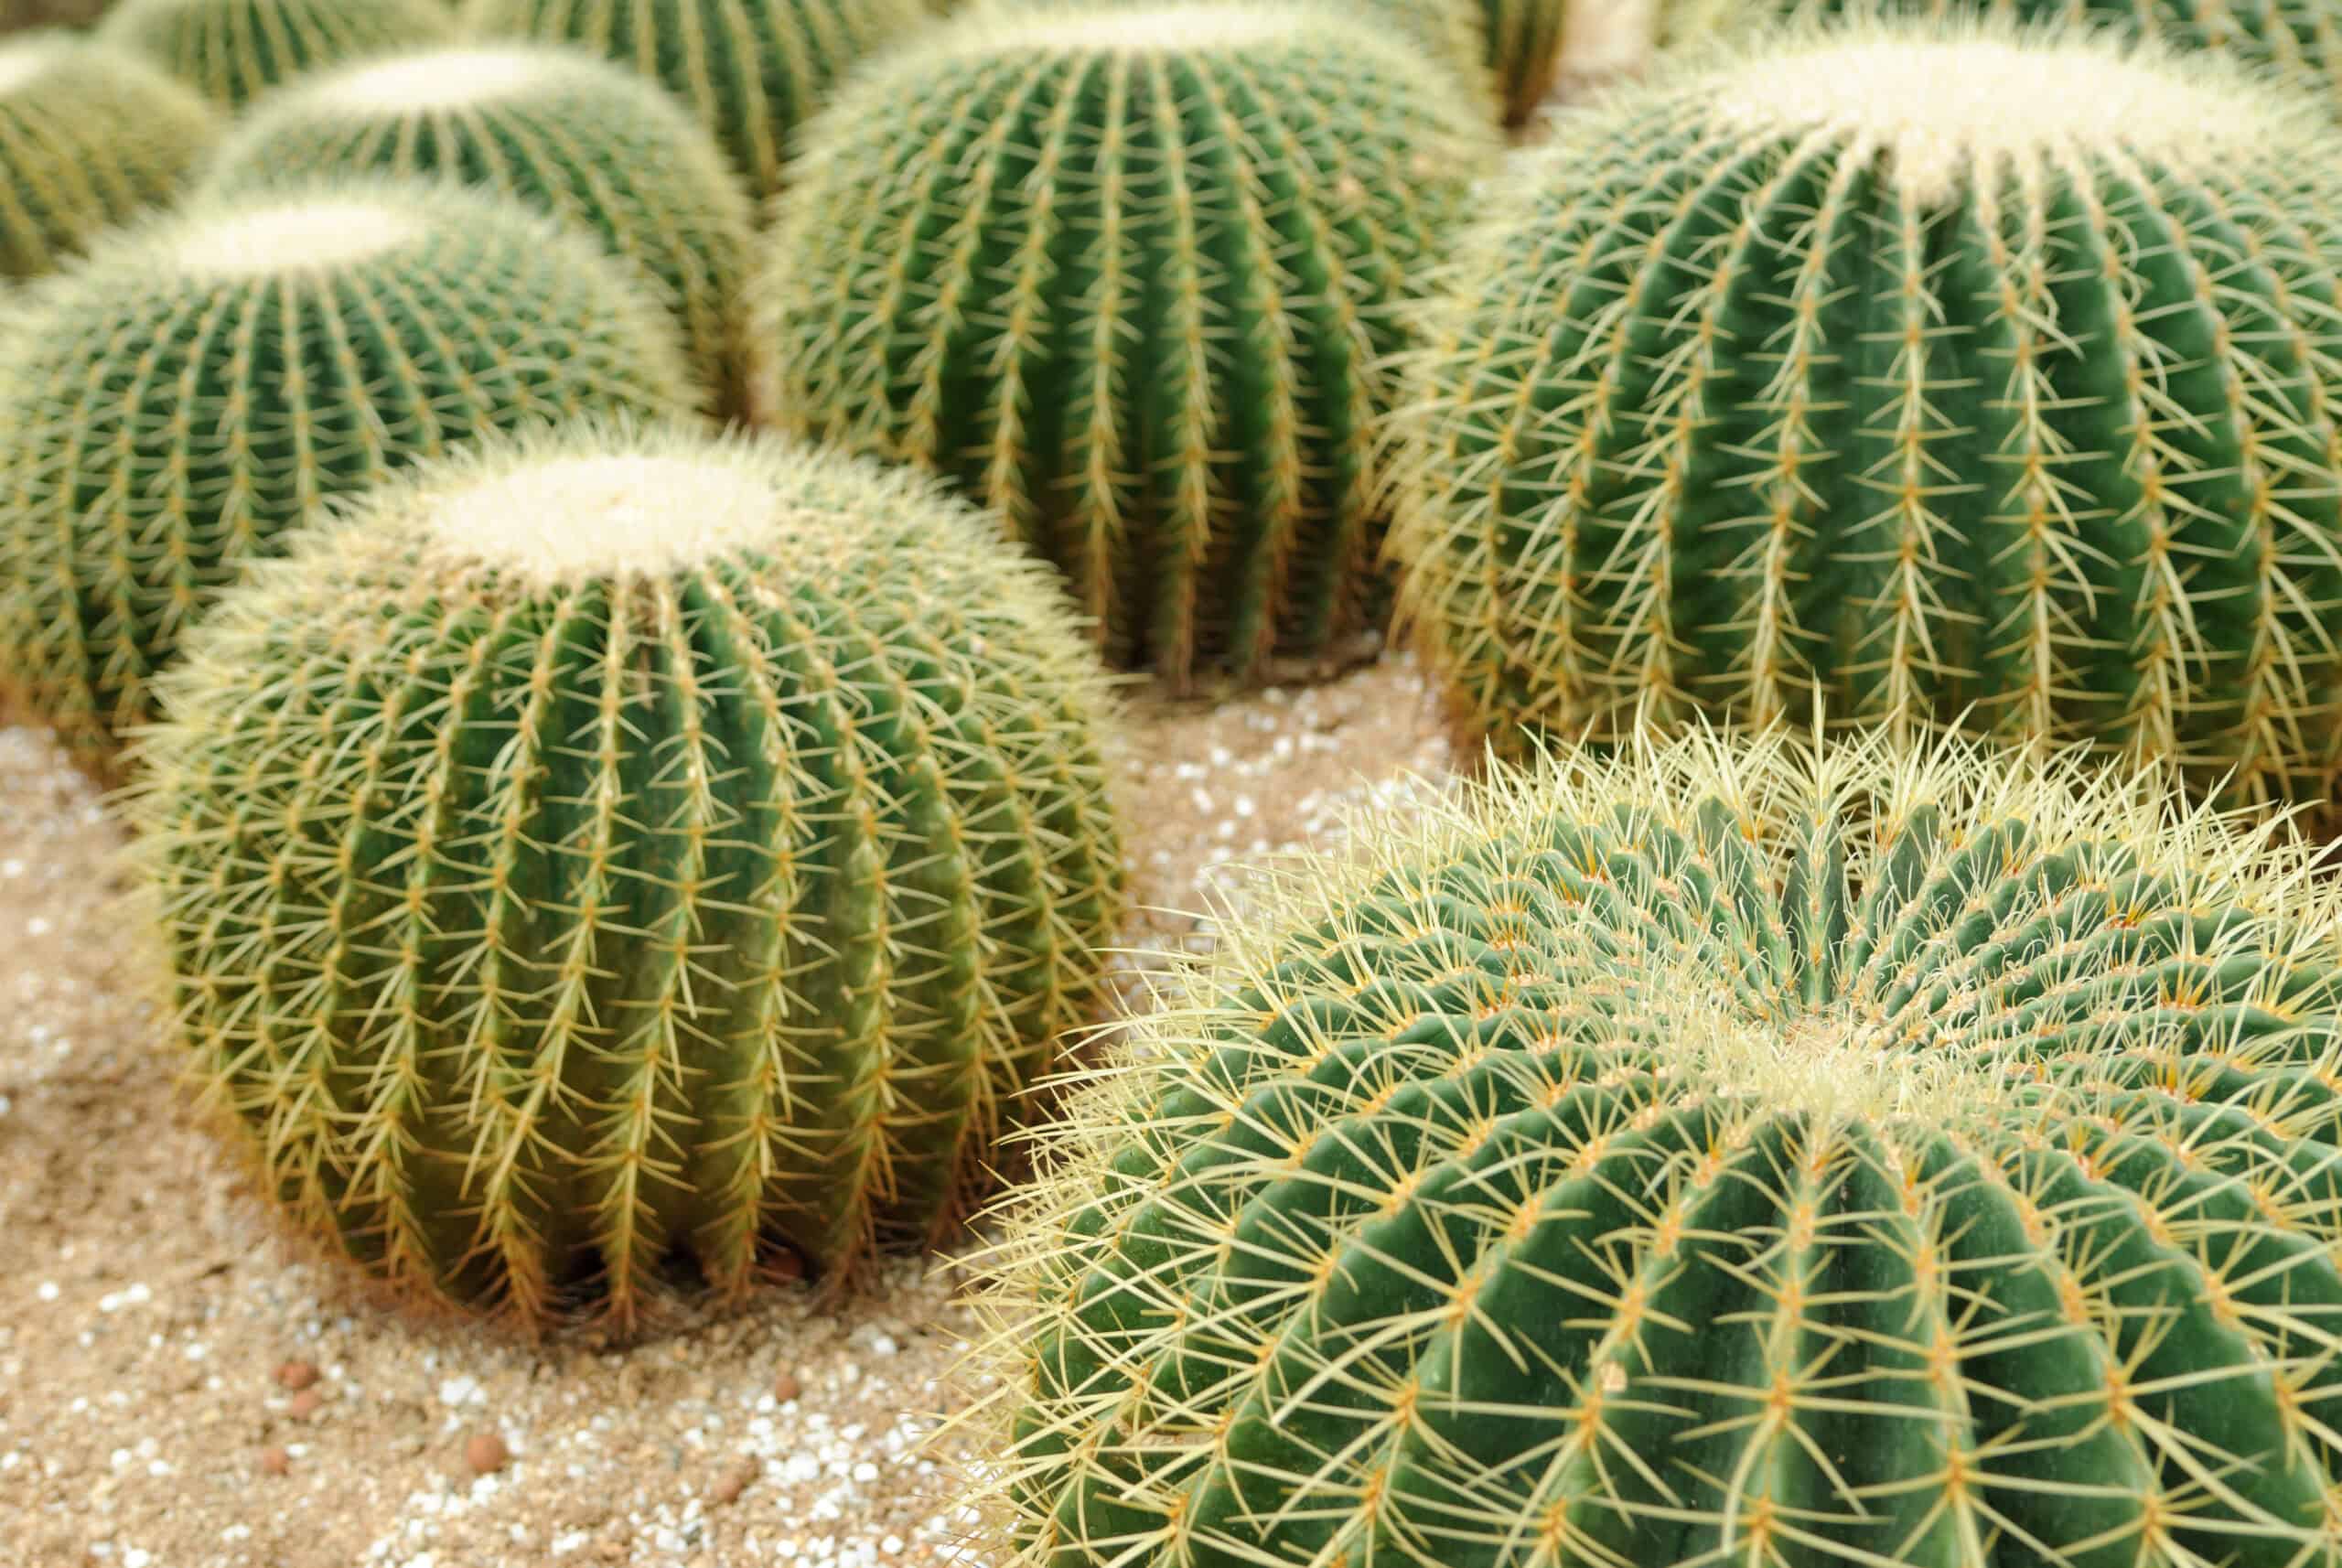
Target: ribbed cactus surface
<point x="231" y="51"/>
<point x="1713" y="1156"/>
<point x="1131" y="276"/>
<point x="172" y="404"/>
<point x="568" y="132"/>
<point x="89" y="135"/>
<point x="1931" y="373"/>
<point x="591" y="863"/>
<point x="2302" y="35"/>
<point x="1524" y="51"/>
<point x="751" y="69"/>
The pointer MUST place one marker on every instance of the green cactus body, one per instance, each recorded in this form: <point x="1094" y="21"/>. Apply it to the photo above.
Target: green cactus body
<point x="1832" y="376"/>
<point x="172" y="404"/>
<point x="2303" y="36"/>
<point x="1524" y="51"/>
<point x="565" y="132"/>
<point x="232" y="50"/>
<point x="89" y="135"/>
<point x="1711" y="1155"/>
<point x="1130" y="278"/>
<point x="751" y="69"/>
<point x="590" y="861"/>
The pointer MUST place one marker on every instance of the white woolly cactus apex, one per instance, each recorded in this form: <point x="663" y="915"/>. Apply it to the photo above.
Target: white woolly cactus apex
<point x="1716" y="1153"/>
<point x="1941" y="372"/>
<point x="566" y="132"/>
<point x="176" y="402"/>
<point x="1131" y="276"/>
<point x="593" y="863"/>
<point x="89" y="136"/>
<point x="232" y="50"/>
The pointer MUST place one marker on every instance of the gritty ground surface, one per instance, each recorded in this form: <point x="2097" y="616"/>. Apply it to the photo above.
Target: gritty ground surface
<point x="152" y="1328"/>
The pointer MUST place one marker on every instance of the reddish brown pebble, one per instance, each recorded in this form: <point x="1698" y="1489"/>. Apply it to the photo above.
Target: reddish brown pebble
<point x="296" y="1375"/>
<point x="788" y="1267"/>
<point x="304" y="1404"/>
<point x="786" y="1387"/>
<point x="485" y="1453"/>
<point x="733" y="1482"/>
<point x="275" y="1460"/>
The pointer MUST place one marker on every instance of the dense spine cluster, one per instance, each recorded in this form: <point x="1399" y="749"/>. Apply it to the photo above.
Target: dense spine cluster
<point x="175" y="404"/>
<point x="1131" y="278"/>
<point x="594" y="863"/>
<point x="752" y="69"/>
<point x="89" y="135"/>
<point x="232" y="50"/>
<point x="1710" y="1155"/>
<point x="1931" y="373"/>
<point x="563" y="130"/>
<point x="2298" y="36"/>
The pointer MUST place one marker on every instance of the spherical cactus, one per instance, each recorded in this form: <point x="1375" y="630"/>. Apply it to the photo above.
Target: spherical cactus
<point x="752" y="69"/>
<point x="172" y="404"/>
<point x="589" y="863"/>
<point x="567" y="132"/>
<point x="1711" y="1156"/>
<point x="1130" y="277"/>
<point x="1938" y="375"/>
<point x="89" y="135"/>
<point x="1524" y="43"/>
<point x="2303" y="36"/>
<point x="231" y="51"/>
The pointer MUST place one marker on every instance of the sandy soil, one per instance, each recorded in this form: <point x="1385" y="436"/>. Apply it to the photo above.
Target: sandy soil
<point x="179" y="1390"/>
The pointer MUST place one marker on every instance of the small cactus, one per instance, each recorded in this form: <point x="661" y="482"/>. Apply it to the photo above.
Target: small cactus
<point x="565" y="132"/>
<point x="591" y="863"/>
<point x="1935" y="372"/>
<point x="751" y="69"/>
<point x="2297" y="36"/>
<point x="170" y="406"/>
<point x="1130" y="278"/>
<point x="89" y="135"/>
<point x="1524" y="51"/>
<point x="232" y="50"/>
<point x="1710" y="1154"/>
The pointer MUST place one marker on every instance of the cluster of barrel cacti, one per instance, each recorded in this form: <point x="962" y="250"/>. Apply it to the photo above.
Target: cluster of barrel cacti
<point x="594" y="543"/>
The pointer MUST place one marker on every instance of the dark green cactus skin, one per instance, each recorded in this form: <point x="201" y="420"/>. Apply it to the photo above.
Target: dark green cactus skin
<point x="232" y="50"/>
<point x="161" y="426"/>
<point x="564" y="941"/>
<point x="567" y="132"/>
<point x="2302" y="36"/>
<point x="1136" y="294"/>
<point x="1524" y="44"/>
<point x="752" y="69"/>
<point x="2050" y="451"/>
<point x="89" y="135"/>
<point x="1438" y="1239"/>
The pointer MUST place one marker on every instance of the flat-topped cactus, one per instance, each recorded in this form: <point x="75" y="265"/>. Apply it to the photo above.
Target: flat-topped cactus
<point x="1945" y="373"/>
<point x="589" y="863"/>
<point x="173" y="403"/>
<point x="1707" y="1155"/>
<point x="751" y="69"/>
<point x="2297" y="36"/>
<point x="568" y="132"/>
<point x="89" y="135"/>
<point x="232" y="50"/>
<point x="1130" y="277"/>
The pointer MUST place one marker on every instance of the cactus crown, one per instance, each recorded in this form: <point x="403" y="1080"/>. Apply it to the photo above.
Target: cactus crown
<point x="598" y="858"/>
<point x="461" y="78"/>
<point x="1715" y="1152"/>
<point x="292" y="236"/>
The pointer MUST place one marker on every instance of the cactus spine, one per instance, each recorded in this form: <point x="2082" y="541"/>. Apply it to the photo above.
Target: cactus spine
<point x="1712" y="1155"/>
<point x="612" y="849"/>
<point x="196" y="386"/>
<point x="1129" y="276"/>
<point x="565" y="132"/>
<point x="89" y="135"/>
<point x="751" y="69"/>
<point x="231" y="51"/>
<point x="1524" y="51"/>
<point x="1927" y="371"/>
